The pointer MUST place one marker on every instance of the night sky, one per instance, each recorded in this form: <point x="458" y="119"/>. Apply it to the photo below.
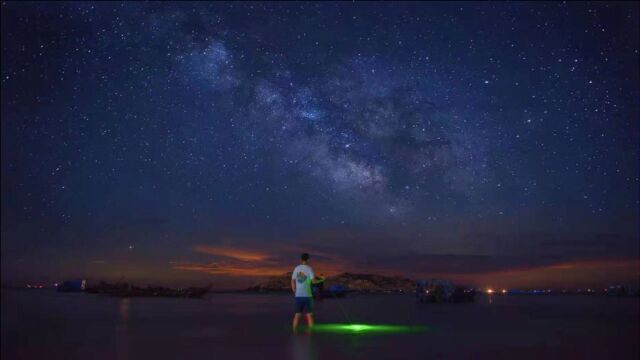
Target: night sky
<point x="488" y="143"/>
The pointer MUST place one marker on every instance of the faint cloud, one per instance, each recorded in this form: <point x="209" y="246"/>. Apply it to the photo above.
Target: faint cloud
<point x="230" y="252"/>
<point x="232" y="270"/>
<point x="244" y="261"/>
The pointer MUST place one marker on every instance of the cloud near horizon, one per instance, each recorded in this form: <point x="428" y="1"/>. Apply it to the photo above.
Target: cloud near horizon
<point x="238" y="261"/>
<point x="245" y="262"/>
<point x="584" y="273"/>
<point x="231" y="252"/>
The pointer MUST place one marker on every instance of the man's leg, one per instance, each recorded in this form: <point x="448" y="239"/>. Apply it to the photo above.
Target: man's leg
<point x="309" y="312"/>
<point x="296" y="320"/>
<point x="310" y="319"/>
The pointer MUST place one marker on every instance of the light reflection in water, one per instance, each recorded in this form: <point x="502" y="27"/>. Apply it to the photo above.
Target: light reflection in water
<point x="302" y="347"/>
<point x="122" y="330"/>
<point x="124" y="310"/>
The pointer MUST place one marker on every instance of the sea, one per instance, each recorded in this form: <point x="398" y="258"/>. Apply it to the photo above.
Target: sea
<point x="44" y="324"/>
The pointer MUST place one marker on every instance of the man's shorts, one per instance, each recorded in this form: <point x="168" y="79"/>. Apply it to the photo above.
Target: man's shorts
<point x="304" y="304"/>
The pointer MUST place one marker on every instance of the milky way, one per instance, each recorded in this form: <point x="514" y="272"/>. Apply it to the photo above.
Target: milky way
<point x="134" y="133"/>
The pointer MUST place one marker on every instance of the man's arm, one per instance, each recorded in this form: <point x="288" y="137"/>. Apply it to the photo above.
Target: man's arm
<point x="293" y="285"/>
<point x="316" y="279"/>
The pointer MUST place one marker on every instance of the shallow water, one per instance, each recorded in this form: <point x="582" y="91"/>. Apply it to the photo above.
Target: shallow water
<point x="50" y="325"/>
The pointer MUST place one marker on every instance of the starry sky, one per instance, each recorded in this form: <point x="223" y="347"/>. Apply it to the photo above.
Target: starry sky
<point x="488" y="143"/>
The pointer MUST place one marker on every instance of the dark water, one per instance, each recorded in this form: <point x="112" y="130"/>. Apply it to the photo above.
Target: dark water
<point x="49" y="325"/>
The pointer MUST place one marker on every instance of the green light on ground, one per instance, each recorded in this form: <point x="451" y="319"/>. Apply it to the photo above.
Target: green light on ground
<point x="366" y="329"/>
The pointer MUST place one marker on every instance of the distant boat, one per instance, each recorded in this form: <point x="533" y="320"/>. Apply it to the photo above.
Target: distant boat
<point x="436" y="291"/>
<point x="334" y="291"/>
<point x="73" y="286"/>
<point x="337" y="290"/>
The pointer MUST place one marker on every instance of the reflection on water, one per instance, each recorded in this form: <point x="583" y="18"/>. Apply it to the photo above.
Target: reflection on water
<point x="246" y="326"/>
<point x="302" y="347"/>
<point x="122" y="330"/>
<point x="124" y="310"/>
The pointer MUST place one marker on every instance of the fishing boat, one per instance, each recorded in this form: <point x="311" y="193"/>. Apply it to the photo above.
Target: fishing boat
<point x="72" y="286"/>
<point x="333" y="291"/>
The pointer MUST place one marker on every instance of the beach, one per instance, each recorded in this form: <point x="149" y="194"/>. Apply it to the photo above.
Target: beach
<point x="45" y="324"/>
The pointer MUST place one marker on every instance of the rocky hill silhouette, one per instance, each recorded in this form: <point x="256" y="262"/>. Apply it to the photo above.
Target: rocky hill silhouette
<point x="364" y="283"/>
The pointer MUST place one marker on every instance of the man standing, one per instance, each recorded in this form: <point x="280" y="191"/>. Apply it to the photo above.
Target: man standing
<point x="301" y="280"/>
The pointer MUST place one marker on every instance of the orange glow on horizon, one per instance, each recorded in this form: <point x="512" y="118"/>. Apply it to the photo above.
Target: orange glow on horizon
<point x="276" y="261"/>
<point x="584" y="272"/>
<point x="259" y="270"/>
<point x="571" y="274"/>
<point x="231" y="270"/>
<point x="243" y="262"/>
<point x="234" y="253"/>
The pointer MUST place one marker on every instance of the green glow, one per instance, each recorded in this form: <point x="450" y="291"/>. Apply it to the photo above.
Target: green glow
<point x="366" y="329"/>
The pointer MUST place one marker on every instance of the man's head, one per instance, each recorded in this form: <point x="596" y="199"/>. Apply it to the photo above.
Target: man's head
<point x="304" y="257"/>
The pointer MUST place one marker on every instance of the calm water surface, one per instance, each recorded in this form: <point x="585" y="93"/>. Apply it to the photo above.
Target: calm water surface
<point x="49" y="325"/>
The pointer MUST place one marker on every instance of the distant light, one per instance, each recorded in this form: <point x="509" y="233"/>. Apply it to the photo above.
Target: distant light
<point x="29" y="286"/>
<point x="489" y="291"/>
<point x="504" y="291"/>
